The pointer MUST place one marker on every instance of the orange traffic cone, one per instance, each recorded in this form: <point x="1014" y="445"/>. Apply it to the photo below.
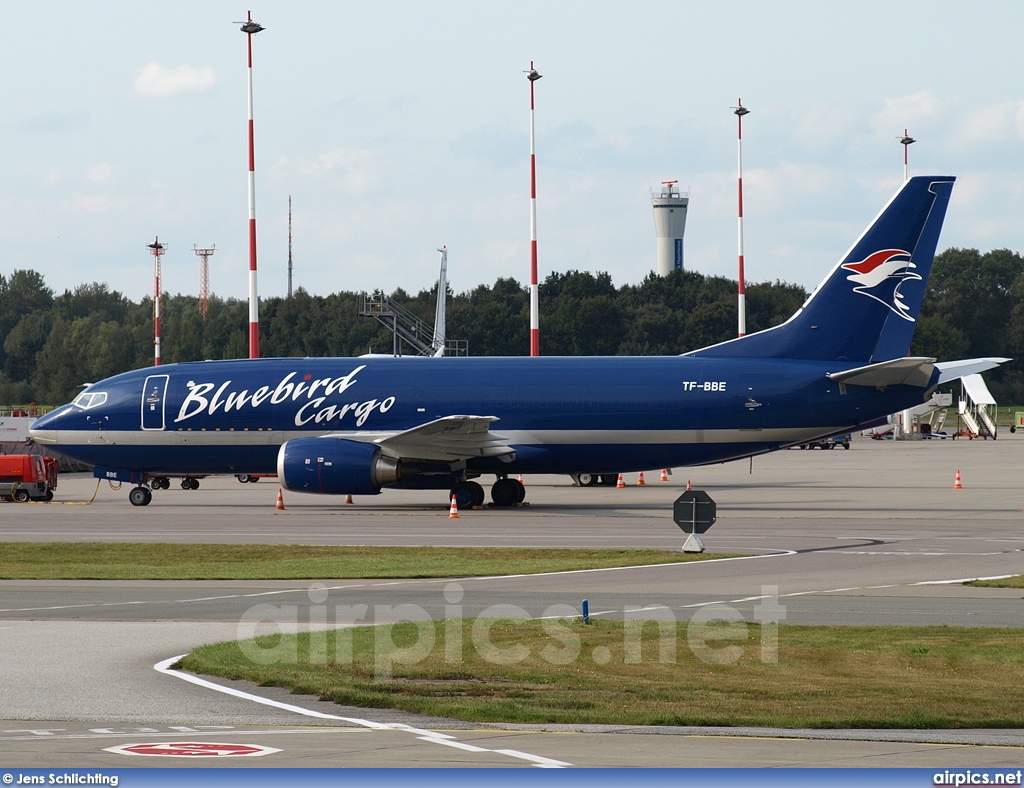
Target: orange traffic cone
<point x="958" y="485"/>
<point x="688" y="487"/>
<point x="453" y="513"/>
<point x="620" y="484"/>
<point x="280" y="501"/>
<point x="664" y="474"/>
<point x="348" y="499"/>
<point x="640" y="482"/>
<point x="520" y="478"/>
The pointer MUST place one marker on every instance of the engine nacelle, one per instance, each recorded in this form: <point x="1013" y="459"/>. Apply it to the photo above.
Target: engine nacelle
<point x="335" y="467"/>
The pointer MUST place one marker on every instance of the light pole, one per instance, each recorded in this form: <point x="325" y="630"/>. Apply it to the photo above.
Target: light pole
<point x="156" y="249"/>
<point x="249" y="28"/>
<point x="906" y="141"/>
<point x="739" y="110"/>
<point x="533" y="76"/>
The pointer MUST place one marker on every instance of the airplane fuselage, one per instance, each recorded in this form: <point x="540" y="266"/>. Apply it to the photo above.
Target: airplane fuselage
<point x="560" y="415"/>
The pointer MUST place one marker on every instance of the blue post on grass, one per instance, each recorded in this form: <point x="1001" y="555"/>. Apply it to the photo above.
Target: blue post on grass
<point x="586" y="612"/>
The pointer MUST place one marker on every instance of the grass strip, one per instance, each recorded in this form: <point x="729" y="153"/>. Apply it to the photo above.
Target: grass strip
<point x="824" y="677"/>
<point x="1017" y="581"/>
<point x="133" y="561"/>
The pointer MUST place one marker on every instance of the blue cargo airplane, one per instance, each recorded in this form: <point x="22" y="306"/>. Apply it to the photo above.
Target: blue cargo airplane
<point x="356" y="425"/>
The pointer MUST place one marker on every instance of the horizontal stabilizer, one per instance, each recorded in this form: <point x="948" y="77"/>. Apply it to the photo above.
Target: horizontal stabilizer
<point x="952" y="370"/>
<point x="910" y="371"/>
<point x="447" y="439"/>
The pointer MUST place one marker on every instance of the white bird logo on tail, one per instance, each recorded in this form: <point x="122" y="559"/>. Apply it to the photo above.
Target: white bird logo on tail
<point x="880" y="276"/>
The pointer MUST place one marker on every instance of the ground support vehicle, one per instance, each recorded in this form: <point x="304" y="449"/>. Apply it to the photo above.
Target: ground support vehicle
<point x="27" y="477"/>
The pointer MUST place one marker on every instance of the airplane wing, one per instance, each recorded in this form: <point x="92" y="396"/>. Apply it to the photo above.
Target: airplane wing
<point x="448" y="439"/>
<point x="909" y="371"/>
<point x="954" y="370"/>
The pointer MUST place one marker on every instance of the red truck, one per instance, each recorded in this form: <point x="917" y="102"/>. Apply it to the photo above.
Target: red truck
<point x="25" y="477"/>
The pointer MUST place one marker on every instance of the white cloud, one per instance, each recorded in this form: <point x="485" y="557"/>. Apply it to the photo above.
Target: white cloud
<point x="354" y="170"/>
<point x="993" y="123"/>
<point x="89" y="204"/>
<point x="157" y="81"/>
<point x="822" y="126"/>
<point x="904" y="112"/>
<point x="100" y="173"/>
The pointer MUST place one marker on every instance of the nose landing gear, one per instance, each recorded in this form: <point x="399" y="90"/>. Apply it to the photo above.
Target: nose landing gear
<point x="140" y="496"/>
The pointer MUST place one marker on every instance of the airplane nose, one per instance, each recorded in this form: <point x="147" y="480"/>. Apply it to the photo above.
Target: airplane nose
<point x="44" y="429"/>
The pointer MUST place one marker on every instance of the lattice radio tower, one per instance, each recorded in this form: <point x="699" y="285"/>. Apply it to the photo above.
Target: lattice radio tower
<point x="204" y="278"/>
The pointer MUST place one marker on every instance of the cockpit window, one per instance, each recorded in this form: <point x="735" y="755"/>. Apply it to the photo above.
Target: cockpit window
<point x="90" y="399"/>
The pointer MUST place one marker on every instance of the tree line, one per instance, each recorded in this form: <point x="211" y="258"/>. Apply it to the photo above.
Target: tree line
<point x="52" y="344"/>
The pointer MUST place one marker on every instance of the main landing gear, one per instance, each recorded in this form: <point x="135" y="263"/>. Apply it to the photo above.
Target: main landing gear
<point x="593" y="479"/>
<point x="143" y="494"/>
<point x="504" y="492"/>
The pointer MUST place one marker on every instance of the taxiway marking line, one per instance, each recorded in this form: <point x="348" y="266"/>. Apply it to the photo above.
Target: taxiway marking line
<point x="392" y="583"/>
<point x="434" y="737"/>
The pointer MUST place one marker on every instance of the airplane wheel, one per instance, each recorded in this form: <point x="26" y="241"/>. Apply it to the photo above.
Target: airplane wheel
<point x="186" y="484"/>
<point x="505" y="492"/>
<point x="253" y="479"/>
<point x="609" y="479"/>
<point x="244" y="478"/>
<point x="587" y="479"/>
<point x="193" y="484"/>
<point x="467" y="494"/>
<point x="522" y="491"/>
<point x="21" y="496"/>
<point x="140" y="496"/>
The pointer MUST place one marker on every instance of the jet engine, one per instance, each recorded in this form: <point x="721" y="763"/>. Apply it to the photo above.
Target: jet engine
<point x="335" y="466"/>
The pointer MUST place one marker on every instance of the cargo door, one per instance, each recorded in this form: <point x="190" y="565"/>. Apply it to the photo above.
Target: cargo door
<point x="154" y="397"/>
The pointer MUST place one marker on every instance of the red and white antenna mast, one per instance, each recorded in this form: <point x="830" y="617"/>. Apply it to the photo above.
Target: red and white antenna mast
<point x="249" y="28"/>
<point x="533" y="76"/>
<point x="156" y="249"/>
<point x="906" y="141"/>
<point x="289" y="246"/>
<point x="740" y="111"/>
<point x="204" y="278"/>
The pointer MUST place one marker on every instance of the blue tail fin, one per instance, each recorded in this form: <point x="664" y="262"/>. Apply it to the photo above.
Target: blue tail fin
<point x="866" y="308"/>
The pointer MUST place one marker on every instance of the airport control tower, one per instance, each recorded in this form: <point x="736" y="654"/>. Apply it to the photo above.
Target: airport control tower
<point x="669" y="222"/>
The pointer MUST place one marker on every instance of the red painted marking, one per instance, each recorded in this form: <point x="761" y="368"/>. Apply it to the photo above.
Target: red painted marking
<point x="254" y="340"/>
<point x="197" y="749"/>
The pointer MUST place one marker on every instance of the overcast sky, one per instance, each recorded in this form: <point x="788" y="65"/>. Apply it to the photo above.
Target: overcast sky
<point x="401" y="126"/>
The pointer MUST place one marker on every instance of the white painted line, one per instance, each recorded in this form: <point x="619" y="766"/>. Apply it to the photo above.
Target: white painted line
<point x="539" y="760"/>
<point x="458" y="745"/>
<point x="779" y="554"/>
<point x="961" y="580"/>
<point x="433" y="737"/>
